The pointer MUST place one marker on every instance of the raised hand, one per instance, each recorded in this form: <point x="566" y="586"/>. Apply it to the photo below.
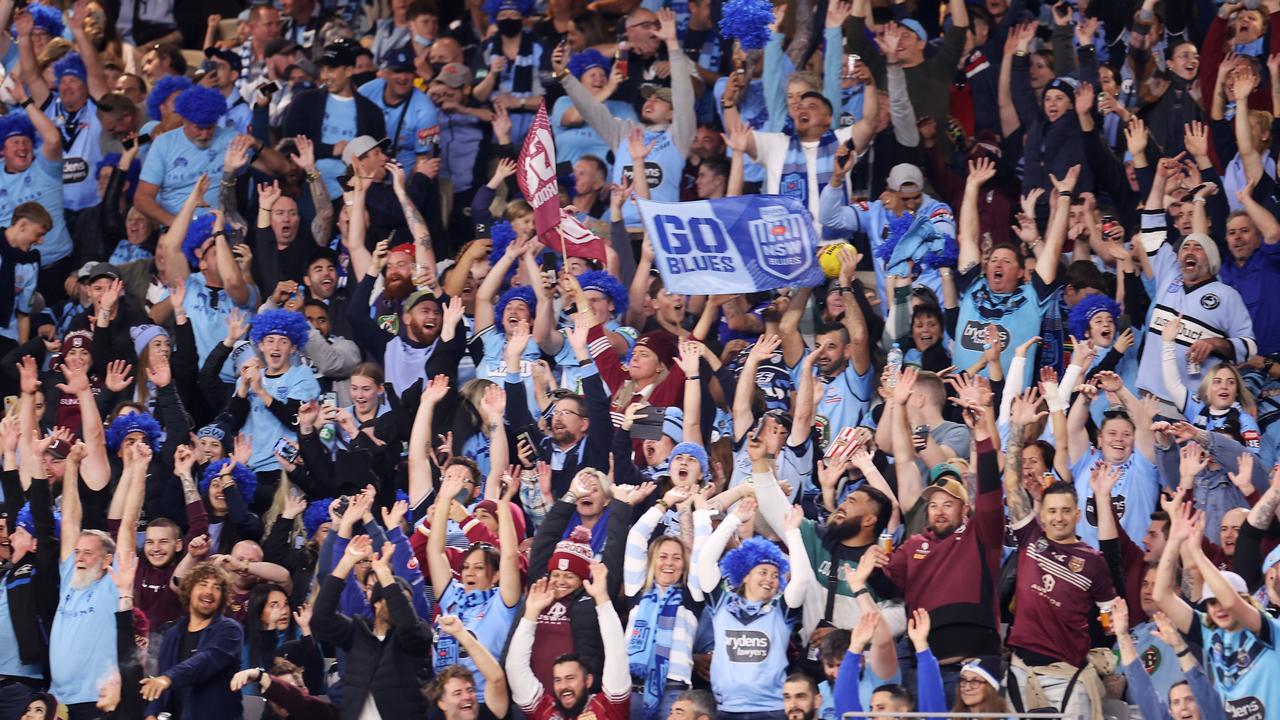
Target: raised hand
<point x="1025" y="408"/>
<point x="305" y="157"/>
<point x="918" y="629"/>
<point x="538" y="598"/>
<point x="980" y="171"/>
<point x="268" y="194"/>
<point x="28" y="376"/>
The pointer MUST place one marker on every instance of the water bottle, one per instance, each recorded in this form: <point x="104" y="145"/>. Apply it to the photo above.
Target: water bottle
<point x="894" y="364"/>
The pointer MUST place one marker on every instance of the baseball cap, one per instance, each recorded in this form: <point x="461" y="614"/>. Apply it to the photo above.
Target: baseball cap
<point x="454" y="75"/>
<point x="416" y="297"/>
<point x="663" y="93"/>
<point x="307" y="67"/>
<point x="338" y="54"/>
<point x="361" y="145"/>
<point x="83" y="273"/>
<point x="945" y="477"/>
<point x="103" y="270"/>
<point x="915" y="27"/>
<point x="59" y="449"/>
<point x="226" y="56"/>
<point x="398" y="60"/>
<point x="1236" y="582"/>
<point x="905" y="174"/>
<point x="279" y="46"/>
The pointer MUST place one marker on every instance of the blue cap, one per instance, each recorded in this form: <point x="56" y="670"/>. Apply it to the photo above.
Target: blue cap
<point x="398" y="60"/>
<point x="915" y="27"/>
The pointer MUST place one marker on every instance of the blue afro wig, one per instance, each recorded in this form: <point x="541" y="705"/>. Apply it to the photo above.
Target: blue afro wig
<point x="164" y="89"/>
<point x="16" y="123"/>
<point x="47" y="19"/>
<point x="201" y="105"/>
<point x="493" y="7"/>
<point x="1083" y="312"/>
<point x="587" y="59"/>
<point x="288" y="323"/>
<point x="747" y="21"/>
<point x="603" y="282"/>
<point x="123" y="425"/>
<point x="523" y="294"/>
<point x="28" y="523"/>
<point x="71" y="64"/>
<point x="246" y="481"/>
<point x="316" y="514"/>
<point x="737" y="563"/>
<point x="503" y="235"/>
<point x="200" y="229"/>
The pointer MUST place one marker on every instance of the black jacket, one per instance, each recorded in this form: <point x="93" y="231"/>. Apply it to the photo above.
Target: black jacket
<point x="31" y="586"/>
<point x="305" y="116"/>
<point x="393" y="670"/>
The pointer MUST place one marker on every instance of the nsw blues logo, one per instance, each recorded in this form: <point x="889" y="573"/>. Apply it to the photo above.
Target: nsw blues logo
<point x="778" y="241"/>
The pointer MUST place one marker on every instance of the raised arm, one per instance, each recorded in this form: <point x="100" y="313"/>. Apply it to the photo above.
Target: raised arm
<point x="1182" y="527"/>
<point x="50" y="136"/>
<point x="96" y="75"/>
<point x="980" y="171"/>
<point x="175" y="267"/>
<point x="495" y="690"/>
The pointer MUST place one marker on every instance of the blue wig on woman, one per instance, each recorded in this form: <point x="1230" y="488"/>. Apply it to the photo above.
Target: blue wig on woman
<point x="16" y="123"/>
<point x="316" y="514"/>
<point x="737" y="563"/>
<point x="581" y="62"/>
<point x="602" y="282"/>
<point x="199" y="231"/>
<point x="47" y="19"/>
<point x="246" y="481"/>
<point x="164" y="89"/>
<point x="288" y="323"/>
<point x="1083" y="312"/>
<point x="201" y="105"/>
<point x="144" y="423"/>
<point x="493" y="7"/>
<point x="523" y="294"/>
<point x="747" y="21"/>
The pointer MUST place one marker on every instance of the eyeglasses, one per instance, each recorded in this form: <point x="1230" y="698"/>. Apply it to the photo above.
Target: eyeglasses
<point x="971" y="682"/>
<point x="557" y="412"/>
<point x="646" y="24"/>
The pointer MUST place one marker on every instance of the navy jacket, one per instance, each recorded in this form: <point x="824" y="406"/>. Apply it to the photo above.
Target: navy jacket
<point x="204" y="679"/>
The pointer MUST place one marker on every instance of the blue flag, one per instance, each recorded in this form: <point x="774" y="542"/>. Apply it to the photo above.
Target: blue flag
<point x="735" y="245"/>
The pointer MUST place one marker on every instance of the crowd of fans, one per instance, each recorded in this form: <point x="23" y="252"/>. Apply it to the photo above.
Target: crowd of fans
<point x="302" y="420"/>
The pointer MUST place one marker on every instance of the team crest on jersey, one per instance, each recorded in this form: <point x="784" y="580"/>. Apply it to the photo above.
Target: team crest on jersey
<point x="1075" y="564"/>
<point x="1210" y="301"/>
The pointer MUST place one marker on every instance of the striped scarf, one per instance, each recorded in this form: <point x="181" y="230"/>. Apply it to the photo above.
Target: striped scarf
<point x="660" y="635"/>
<point x="517" y="77"/>
<point x="795" y="167"/>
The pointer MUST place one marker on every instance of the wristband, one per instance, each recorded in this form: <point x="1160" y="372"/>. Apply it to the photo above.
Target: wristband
<point x="25" y="103"/>
<point x="693" y="377"/>
<point x="863" y="591"/>
<point x="1183" y="652"/>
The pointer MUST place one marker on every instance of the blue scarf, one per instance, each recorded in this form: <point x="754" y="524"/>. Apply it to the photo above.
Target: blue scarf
<point x="649" y="647"/>
<point x="599" y="532"/>
<point x="747" y="611"/>
<point x="913" y="238"/>
<point x="795" y="168"/>
<point x="447" y="647"/>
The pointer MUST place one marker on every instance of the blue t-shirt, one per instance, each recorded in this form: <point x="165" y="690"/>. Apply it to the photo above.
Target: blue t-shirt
<point x="1016" y="315"/>
<point x="339" y="126"/>
<point x="81" y="151"/>
<point x="1157" y="659"/>
<point x="663" y="169"/>
<point x="484" y="614"/>
<point x="578" y="140"/>
<point x="174" y="163"/>
<point x="42" y="182"/>
<point x="24" y="287"/>
<point x="1244" y="667"/>
<point x="1135" y="496"/>
<point x="296" y="383"/>
<point x="82" y="646"/>
<point x="492" y="367"/>
<point x="419" y="128"/>
<point x="208" y="309"/>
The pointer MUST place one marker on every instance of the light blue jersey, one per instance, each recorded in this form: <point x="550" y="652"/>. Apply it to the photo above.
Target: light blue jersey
<point x="174" y="164"/>
<point x="208" y="309"/>
<point x="413" y="121"/>
<point x="492" y="367"/>
<point x="81" y="151"/>
<point x="1135" y="496"/>
<point x="1157" y="659"/>
<point x="662" y="168"/>
<point x="484" y="614"/>
<point x="573" y="142"/>
<point x="42" y="183"/>
<point x="1016" y="315"/>
<point x="1244" y="667"/>
<point x="339" y="126"/>
<point x="10" y="661"/>
<point x="24" y="288"/>
<point x="296" y="383"/>
<point x="846" y="402"/>
<point x="82" y="646"/>
<point x="749" y="662"/>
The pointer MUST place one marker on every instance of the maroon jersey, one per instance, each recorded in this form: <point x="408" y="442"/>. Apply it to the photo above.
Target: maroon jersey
<point x="1059" y="589"/>
<point x="553" y="638"/>
<point x="599" y="707"/>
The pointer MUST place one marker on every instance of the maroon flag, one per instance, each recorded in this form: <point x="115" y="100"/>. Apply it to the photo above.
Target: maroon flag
<point x="536" y="176"/>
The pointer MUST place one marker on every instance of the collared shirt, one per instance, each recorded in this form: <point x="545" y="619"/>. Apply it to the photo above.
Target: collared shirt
<point x="1259" y="272"/>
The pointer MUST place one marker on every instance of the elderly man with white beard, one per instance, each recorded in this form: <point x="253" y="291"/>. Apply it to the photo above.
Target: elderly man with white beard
<point x="82" y="644"/>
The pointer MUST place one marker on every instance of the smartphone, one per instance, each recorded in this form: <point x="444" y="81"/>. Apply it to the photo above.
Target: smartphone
<point x="648" y="425"/>
<point x="268" y="87"/>
<point x="287" y="450"/>
<point x="548" y="262"/>
<point x="531" y="435"/>
<point x="344" y="501"/>
<point x="329" y="399"/>
<point x="10" y="405"/>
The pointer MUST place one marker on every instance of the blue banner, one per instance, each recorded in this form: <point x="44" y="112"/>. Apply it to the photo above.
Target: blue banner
<point x="735" y="245"/>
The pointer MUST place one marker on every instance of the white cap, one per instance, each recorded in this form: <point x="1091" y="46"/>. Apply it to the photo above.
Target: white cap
<point x="1236" y="582"/>
<point x="905" y="174"/>
<point x="361" y="145"/>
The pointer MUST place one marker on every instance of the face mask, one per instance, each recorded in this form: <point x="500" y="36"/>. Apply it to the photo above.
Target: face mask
<point x="436" y="67"/>
<point x="510" y="27"/>
<point x="424" y="42"/>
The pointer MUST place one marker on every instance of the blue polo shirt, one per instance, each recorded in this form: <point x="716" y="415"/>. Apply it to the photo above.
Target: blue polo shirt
<point x="175" y="163"/>
<point x="1260" y="271"/>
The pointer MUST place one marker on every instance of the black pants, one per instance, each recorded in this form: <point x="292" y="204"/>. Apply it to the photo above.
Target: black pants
<point x="84" y="711"/>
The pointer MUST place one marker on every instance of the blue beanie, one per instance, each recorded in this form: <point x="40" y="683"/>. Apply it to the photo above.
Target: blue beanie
<point x="201" y="105"/>
<point x="493" y="7"/>
<point x="198" y="232"/>
<point x="72" y="65"/>
<point x="695" y="451"/>
<point x="603" y="282"/>
<point x="143" y="334"/>
<point x="738" y="563"/>
<point x="246" y="481"/>
<point x="28" y="523"/>
<point x="316" y="514"/>
<point x="124" y="425"/>
<point x="581" y="62"/>
<point x="523" y="294"/>
<point x="288" y="323"/>
<point x="164" y="89"/>
<point x="1083" y="312"/>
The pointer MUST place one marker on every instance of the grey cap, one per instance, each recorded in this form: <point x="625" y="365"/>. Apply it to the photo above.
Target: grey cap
<point x="361" y="145"/>
<point x="905" y="174"/>
<point x="102" y="270"/>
